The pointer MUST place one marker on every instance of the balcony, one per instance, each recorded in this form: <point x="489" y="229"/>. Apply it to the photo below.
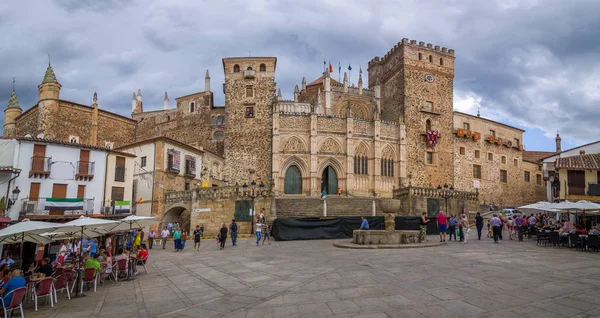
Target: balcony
<point x="39" y="207"/>
<point x="40" y="167"/>
<point x="85" y="170"/>
<point x="249" y="74"/>
<point x="120" y="174"/>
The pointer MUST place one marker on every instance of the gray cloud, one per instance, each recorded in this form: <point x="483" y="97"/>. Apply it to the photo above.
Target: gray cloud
<point x="532" y="62"/>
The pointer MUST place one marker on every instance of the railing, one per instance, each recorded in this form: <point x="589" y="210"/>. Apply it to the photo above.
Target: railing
<point x="206" y="193"/>
<point x="40" y="164"/>
<point x="39" y="208"/>
<point x="434" y="193"/>
<point x="120" y="174"/>
<point x="85" y="168"/>
<point x="249" y="73"/>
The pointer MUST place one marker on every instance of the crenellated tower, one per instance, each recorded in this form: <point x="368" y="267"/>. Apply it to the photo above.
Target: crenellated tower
<point x="416" y="87"/>
<point x="48" y="102"/>
<point x="12" y="111"/>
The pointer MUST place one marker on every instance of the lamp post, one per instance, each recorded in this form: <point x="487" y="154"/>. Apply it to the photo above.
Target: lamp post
<point x="253" y="194"/>
<point x="445" y="193"/>
<point x="13" y="198"/>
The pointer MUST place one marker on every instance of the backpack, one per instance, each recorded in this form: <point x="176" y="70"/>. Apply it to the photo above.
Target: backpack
<point x="234" y="227"/>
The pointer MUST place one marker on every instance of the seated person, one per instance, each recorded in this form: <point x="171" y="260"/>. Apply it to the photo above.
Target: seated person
<point x="5" y="276"/>
<point x="16" y="281"/>
<point x="595" y="231"/>
<point x="106" y="262"/>
<point x="580" y="230"/>
<point x="7" y="260"/>
<point x="121" y="255"/>
<point x="92" y="262"/>
<point x="142" y="254"/>
<point x="31" y="270"/>
<point x="46" y="268"/>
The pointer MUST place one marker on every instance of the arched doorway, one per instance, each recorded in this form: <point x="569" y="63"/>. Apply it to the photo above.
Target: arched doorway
<point x="293" y="181"/>
<point x="329" y="181"/>
<point x="177" y="215"/>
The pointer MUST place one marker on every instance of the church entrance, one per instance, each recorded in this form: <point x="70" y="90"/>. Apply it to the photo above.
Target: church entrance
<point x="293" y="181"/>
<point x="329" y="181"/>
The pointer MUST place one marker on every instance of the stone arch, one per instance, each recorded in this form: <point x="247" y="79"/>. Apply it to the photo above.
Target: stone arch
<point x="295" y="161"/>
<point x="236" y="68"/>
<point x="177" y="214"/>
<point x="330" y="145"/>
<point x="263" y="68"/>
<point x="358" y="108"/>
<point x="294" y="144"/>
<point x="335" y="164"/>
<point x="388" y="152"/>
<point x="362" y="149"/>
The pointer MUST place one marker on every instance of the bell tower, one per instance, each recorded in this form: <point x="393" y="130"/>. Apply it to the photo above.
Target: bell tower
<point x="249" y="97"/>
<point x="48" y="101"/>
<point x="12" y="111"/>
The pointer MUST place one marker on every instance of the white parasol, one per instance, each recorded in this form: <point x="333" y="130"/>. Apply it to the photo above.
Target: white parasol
<point x="134" y="222"/>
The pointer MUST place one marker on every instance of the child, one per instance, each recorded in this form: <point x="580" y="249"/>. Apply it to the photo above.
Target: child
<point x="266" y="235"/>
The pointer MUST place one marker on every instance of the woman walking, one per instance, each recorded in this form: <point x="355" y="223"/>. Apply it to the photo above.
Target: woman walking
<point x="183" y="239"/>
<point x="465" y="228"/>
<point x="266" y="235"/>
<point x="177" y="239"/>
<point x="259" y="227"/>
<point x="510" y="225"/>
<point x="423" y="234"/>
<point x="223" y="235"/>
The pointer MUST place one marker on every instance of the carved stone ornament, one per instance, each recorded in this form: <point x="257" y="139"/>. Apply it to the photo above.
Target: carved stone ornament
<point x="293" y="144"/>
<point x="330" y="146"/>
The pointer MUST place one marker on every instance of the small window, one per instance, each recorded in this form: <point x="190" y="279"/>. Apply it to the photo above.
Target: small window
<point x="538" y="179"/>
<point x="236" y="68"/>
<point x="466" y="126"/>
<point x="441" y="61"/>
<point x="492" y="133"/>
<point x="430" y="59"/>
<point x="219" y="120"/>
<point x="420" y="56"/>
<point x="490" y="156"/>
<point x="213" y="120"/>
<point x="516" y="161"/>
<point x="429" y="106"/>
<point x="477" y="171"/>
<point x="263" y="68"/>
<point x="503" y="176"/>
<point x="249" y="112"/>
<point x="526" y="176"/>
<point x="74" y="139"/>
<point x="477" y="154"/>
<point x="192" y="106"/>
<point x="249" y="91"/>
<point x="516" y="143"/>
<point x="143" y="161"/>
<point x="428" y="124"/>
<point x="462" y="150"/>
<point x="503" y="160"/>
<point x="429" y="158"/>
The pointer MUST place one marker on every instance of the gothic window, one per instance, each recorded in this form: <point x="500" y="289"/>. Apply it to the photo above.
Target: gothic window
<point x="213" y="120"/>
<point x="236" y="68"/>
<point x="219" y="120"/>
<point x="441" y="61"/>
<point x="428" y="124"/>
<point x="430" y="59"/>
<point x="361" y="165"/>
<point x="263" y="68"/>
<point x="192" y="107"/>
<point x="420" y="56"/>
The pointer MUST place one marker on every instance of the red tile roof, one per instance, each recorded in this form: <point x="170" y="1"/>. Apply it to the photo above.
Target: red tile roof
<point x="580" y="162"/>
<point x="319" y="81"/>
<point x="536" y="156"/>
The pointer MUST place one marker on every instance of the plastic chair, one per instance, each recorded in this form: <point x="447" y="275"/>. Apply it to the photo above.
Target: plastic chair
<point x="109" y="272"/>
<point x="89" y="276"/>
<point x="62" y="283"/>
<point x="592" y="242"/>
<point x="43" y="289"/>
<point x="554" y="239"/>
<point x="15" y="302"/>
<point x="122" y="266"/>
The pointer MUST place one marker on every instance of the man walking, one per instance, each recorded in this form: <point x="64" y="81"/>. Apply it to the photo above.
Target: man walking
<point x="197" y="233"/>
<point x="496" y="227"/>
<point x="519" y="224"/>
<point x="479" y="225"/>
<point x="452" y="227"/>
<point x="233" y="230"/>
<point x="164" y="235"/>
<point x="364" y="225"/>
<point x="441" y="220"/>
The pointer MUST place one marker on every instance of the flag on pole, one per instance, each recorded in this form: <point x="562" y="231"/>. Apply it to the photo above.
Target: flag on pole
<point x="122" y="207"/>
<point x="141" y="200"/>
<point x="349" y="67"/>
<point x="63" y="204"/>
<point x="330" y="68"/>
<point x="339" y="67"/>
<point x="324" y="66"/>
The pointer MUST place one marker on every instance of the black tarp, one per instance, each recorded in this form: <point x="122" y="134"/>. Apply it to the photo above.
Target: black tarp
<point x="285" y="229"/>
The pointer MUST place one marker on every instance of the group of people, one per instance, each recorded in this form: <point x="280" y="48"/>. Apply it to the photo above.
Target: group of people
<point x="262" y="231"/>
<point x="453" y="226"/>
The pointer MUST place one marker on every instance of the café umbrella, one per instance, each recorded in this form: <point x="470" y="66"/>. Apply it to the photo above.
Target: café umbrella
<point x="27" y="231"/>
<point x="134" y="222"/>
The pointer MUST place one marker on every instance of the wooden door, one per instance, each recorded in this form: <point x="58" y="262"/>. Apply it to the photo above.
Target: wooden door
<point x="81" y="191"/>
<point x="120" y="169"/>
<point x="84" y="162"/>
<point x="34" y="192"/>
<point x="576" y="182"/>
<point x="59" y="191"/>
<point x="39" y="154"/>
<point x="293" y="181"/>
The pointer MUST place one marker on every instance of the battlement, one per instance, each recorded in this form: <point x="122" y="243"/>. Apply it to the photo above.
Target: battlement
<point x="412" y="43"/>
<point x="353" y="90"/>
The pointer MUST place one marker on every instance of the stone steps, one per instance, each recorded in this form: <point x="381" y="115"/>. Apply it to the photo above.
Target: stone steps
<point x="313" y="207"/>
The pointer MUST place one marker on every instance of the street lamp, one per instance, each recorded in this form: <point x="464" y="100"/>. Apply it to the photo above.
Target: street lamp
<point x="253" y="194"/>
<point x="445" y="193"/>
<point x="13" y="198"/>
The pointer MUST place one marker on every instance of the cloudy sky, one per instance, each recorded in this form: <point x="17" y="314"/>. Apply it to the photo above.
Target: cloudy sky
<point x="533" y="64"/>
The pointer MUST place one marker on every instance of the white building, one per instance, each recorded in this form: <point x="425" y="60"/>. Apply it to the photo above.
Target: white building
<point x="57" y="178"/>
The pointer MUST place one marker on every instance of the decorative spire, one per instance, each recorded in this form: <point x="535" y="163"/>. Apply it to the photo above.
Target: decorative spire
<point x="139" y="94"/>
<point x="13" y="102"/>
<point x="207" y="74"/>
<point x="49" y="77"/>
<point x="303" y="83"/>
<point x="478" y="114"/>
<point x="296" y="90"/>
<point x="95" y="98"/>
<point x="558" y="142"/>
<point x="279" y="97"/>
<point x="296" y="94"/>
<point x="166" y="101"/>
<point x="133" y="97"/>
<point x="166" y="96"/>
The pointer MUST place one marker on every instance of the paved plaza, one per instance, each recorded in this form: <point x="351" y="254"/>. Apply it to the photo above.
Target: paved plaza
<point x="315" y="279"/>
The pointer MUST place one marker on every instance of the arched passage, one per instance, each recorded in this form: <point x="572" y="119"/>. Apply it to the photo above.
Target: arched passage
<point x="177" y="215"/>
<point x="293" y="180"/>
<point x="329" y="181"/>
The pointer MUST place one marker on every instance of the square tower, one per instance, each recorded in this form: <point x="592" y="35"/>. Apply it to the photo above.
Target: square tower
<point x="417" y="84"/>
<point x="249" y="90"/>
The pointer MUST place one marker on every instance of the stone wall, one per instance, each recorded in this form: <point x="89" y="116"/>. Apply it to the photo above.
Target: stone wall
<point x="27" y="123"/>
<point x="222" y="211"/>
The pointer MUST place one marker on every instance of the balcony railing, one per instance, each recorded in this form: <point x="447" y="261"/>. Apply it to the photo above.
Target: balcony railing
<point x="85" y="170"/>
<point x="434" y="193"/>
<point x="40" y="166"/>
<point x="39" y="208"/>
<point x="249" y="74"/>
<point x="120" y="174"/>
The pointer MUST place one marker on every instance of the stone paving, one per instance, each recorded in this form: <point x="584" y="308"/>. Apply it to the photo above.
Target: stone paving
<point x="315" y="279"/>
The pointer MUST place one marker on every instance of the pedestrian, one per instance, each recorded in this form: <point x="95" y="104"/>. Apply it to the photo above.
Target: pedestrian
<point x="465" y="228"/>
<point x="364" y="224"/>
<point x="510" y="225"/>
<point x="479" y="225"/>
<point x="532" y="220"/>
<point x="423" y="234"/>
<point x="519" y="221"/>
<point x="164" y="236"/>
<point x="137" y="240"/>
<point x="452" y="227"/>
<point x="266" y="235"/>
<point x="94" y="248"/>
<point x="501" y="226"/>
<point x="258" y="232"/>
<point x="261" y="217"/>
<point x="62" y="254"/>
<point x="177" y="239"/>
<point x="151" y="237"/>
<point x="461" y="233"/>
<point x="197" y="235"/>
<point x="339" y="191"/>
<point x="442" y="221"/>
<point x="496" y="226"/>
<point x="233" y="229"/>
<point x="223" y="235"/>
<point x="183" y="239"/>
